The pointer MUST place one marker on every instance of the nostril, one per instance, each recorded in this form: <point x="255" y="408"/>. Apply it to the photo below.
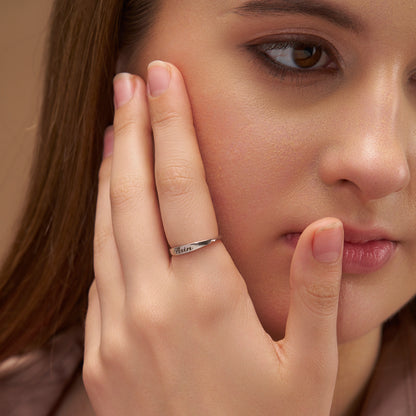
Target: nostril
<point x="403" y="177"/>
<point x="373" y="175"/>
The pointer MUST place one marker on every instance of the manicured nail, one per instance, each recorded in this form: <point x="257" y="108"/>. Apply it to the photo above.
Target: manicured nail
<point x="328" y="242"/>
<point x="108" y="142"/>
<point x="158" y="78"/>
<point x="123" y="89"/>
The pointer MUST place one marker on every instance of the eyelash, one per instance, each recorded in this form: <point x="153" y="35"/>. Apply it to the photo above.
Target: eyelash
<point x="260" y="48"/>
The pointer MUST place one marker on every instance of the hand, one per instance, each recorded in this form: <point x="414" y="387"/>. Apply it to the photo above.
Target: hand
<point x="179" y="335"/>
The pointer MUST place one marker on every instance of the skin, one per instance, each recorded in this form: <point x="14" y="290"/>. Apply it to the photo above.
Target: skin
<point x="263" y="129"/>
<point x="278" y="158"/>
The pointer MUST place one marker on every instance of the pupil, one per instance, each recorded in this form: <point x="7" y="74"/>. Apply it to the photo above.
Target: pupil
<point x="306" y="56"/>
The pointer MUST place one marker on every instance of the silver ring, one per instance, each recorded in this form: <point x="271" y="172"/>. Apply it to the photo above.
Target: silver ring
<point x="188" y="248"/>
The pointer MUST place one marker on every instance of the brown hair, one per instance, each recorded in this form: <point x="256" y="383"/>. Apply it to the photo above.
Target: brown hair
<point x="45" y="279"/>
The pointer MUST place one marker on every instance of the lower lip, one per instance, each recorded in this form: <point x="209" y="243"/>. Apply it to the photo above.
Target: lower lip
<point x="360" y="257"/>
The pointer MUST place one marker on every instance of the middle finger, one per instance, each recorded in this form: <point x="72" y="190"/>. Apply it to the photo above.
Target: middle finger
<point x="135" y="211"/>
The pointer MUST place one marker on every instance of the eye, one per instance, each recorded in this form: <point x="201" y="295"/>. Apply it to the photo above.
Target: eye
<point x="298" y="59"/>
<point x="298" y="55"/>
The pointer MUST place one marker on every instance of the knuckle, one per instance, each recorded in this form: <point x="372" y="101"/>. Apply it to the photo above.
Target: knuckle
<point x="175" y="179"/>
<point x="322" y="298"/>
<point x="125" y="125"/>
<point x="152" y="325"/>
<point x="91" y="373"/>
<point x="148" y="318"/>
<point x="101" y="240"/>
<point x="112" y="349"/>
<point x="127" y="191"/>
<point x="166" y="119"/>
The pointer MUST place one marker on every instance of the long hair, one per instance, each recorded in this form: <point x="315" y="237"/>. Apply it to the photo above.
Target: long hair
<point x="45" y="279"/>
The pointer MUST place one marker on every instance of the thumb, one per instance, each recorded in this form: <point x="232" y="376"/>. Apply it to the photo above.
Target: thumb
<point x="311" y="329"/>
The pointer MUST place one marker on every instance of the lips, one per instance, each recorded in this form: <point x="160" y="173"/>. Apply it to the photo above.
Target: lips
<point x="366" y="257"/>
<point x="365" y="251"/>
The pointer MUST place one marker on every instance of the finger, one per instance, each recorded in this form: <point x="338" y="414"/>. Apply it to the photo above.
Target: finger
<point x="311" y="331"/>
<point x="135" y="212"/>
<point x="185" y="202"/>
<point x="107" y="267"/>
<point x="92" y="326"/>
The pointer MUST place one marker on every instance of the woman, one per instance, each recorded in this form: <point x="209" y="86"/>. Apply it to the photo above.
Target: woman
<point x="286" y="129"/>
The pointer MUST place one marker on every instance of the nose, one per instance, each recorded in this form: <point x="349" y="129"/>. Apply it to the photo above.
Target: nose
<point x="368" y="151"/>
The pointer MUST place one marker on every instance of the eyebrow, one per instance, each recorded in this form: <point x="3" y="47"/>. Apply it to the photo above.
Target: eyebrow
<point x="334" y="14"/>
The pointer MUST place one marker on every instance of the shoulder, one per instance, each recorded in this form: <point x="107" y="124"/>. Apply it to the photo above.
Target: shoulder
<point x="41" y="379"/>
<point x="392" y="389"/>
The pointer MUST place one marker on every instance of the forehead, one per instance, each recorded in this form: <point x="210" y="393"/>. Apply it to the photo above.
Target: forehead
<point x="399" y="15"/>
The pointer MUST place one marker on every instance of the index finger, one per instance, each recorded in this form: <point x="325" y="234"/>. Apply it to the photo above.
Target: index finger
<point x="185" y="202"/>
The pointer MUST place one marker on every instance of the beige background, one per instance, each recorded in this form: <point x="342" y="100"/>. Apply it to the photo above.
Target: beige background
<point x="23" y="26"/>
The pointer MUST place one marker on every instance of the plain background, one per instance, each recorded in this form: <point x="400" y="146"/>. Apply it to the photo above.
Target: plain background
<point x="23" y="28"/>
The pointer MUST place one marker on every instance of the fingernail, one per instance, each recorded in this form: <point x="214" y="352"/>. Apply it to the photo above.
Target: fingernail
<point x="123" y="89"/>
<point x="158" y="78"/>
<point x="328" y="243"/>
<point x="108" y="142"/>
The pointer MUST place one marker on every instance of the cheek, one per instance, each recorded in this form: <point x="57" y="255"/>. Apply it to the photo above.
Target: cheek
<point x="256" y="156"/>
<point x="256" y="159"/>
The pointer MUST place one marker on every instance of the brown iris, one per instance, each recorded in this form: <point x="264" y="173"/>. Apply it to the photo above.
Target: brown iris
<point x="306" y="56"/>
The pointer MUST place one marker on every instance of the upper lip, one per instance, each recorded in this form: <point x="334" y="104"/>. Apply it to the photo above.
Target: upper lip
<point x="361" y="235"/>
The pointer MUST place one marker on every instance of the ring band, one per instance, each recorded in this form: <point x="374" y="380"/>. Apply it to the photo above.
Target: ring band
<point x="188" y="248"/>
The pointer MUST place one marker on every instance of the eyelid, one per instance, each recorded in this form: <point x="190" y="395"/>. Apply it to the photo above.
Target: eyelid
<point x="298" y="76"/>
<point x="282" y="49"/>
<point x="292" y="38"/>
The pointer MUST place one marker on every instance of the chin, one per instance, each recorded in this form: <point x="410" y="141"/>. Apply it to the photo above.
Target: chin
<point x="361" y="309"/>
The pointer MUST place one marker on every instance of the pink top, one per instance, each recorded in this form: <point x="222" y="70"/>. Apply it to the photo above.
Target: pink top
<point x="35" y="384"/>
<point x="392" y="390"/>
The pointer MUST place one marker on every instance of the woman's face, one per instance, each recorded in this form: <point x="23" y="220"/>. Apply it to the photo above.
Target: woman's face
<point x="305" y="109"/>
